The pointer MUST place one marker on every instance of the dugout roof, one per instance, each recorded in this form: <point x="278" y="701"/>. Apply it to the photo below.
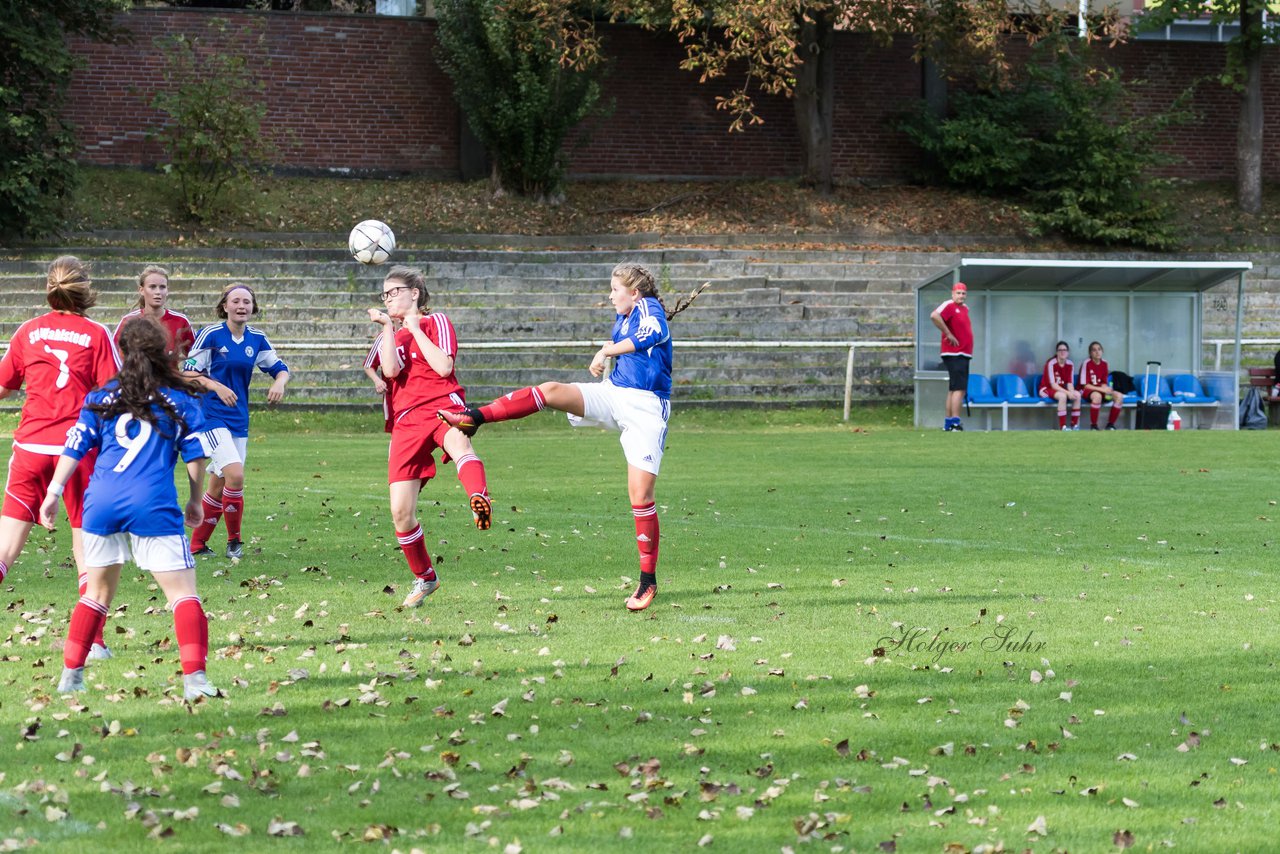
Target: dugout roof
<point x="1041" y="275"/>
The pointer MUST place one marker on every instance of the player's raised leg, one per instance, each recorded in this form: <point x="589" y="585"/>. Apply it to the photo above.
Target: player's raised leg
<point x="564" y="397"/>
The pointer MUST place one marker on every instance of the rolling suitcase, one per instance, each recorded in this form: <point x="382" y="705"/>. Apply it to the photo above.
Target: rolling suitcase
<point x="1153" y="413"/>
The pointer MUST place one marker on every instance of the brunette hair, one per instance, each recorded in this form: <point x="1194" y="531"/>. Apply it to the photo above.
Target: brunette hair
<point x="67" y="285"/>
<point x="146" y="369"/>
<point x="155" y="269"/>
<point x="412" y="278"/>
<point x="637" y="277"/>
<point x="221" y="308"/>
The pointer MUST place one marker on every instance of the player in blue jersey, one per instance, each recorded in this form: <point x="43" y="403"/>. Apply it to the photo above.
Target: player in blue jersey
<point x="223" y="360"/>
<point x="139" y="423"/>
<point x="634" y="399"/>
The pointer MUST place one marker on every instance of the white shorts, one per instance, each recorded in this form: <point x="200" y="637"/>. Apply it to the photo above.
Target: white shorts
<point x="641" y="416"/>
<point x="154" y="554"/>
<point x="224" y="449"/>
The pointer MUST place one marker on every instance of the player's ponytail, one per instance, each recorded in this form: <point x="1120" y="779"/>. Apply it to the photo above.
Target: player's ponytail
<point x="67" y="285"/>
<point x="637" y="277"/>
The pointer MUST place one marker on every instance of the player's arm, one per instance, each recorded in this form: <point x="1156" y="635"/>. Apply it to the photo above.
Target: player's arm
<point x="617" y="348"/>
<point x="936" y="317"/>
<point x="440" y="361"/>
<point x="61" y="474"/>
<point x="193" y="512"/>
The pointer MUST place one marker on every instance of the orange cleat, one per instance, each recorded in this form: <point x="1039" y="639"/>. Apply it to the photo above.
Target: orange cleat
<point x="467" y="422"/>
<point x="482" y="510"/>
<point x="642" y="598"/>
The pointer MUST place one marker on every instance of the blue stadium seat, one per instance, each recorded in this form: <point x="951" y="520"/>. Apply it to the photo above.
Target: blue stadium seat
<point x="980" y="390"/>
<point x="1012" y="389"/>
<point x="1187" y="389"/>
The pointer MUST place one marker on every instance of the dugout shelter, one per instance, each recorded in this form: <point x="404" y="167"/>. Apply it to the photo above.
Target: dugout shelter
<point x="1139" y="310"/>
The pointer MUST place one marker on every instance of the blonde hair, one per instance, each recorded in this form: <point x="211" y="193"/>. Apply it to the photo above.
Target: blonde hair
<point x="636" y="277"/>
<point x="221" y="308"/>
<point x="412" y="278"/>
<point x="155" y="269"/>
<point x="67" y="285"/>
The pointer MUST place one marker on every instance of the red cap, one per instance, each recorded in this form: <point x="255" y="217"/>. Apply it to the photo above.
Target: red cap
<point x="959" y="286"/>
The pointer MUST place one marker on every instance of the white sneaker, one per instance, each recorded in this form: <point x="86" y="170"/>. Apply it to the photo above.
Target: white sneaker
<point x="196" y="685"/>
<point x="98" y="652"/>
<point x="422" y="588"/>
<point x="1066" y="429"/>
<point x="72" y="680"/>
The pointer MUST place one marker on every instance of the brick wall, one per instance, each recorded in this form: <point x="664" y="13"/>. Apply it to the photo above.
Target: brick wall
<point x="364" y="93"/>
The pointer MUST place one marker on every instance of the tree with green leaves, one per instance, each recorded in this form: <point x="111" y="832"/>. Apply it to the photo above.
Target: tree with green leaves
<point x="785" y="47"/>
<point x="214" y="108"/>
<point x="525" y="74"/>
<point x="37" y="146"/>
<point x="1243" y="73"/>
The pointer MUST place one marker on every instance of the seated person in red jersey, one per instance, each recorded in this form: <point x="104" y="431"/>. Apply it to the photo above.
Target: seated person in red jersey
<point x="1057" y="382"/>
<point x="1095" y="388"/>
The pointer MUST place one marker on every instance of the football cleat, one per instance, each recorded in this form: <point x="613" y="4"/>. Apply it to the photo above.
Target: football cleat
<point x="957" y="427"/>
<point x="1111" y="426"/>
<point x="482" y="510"/>
<point x="422" y="588"/>
<point x="467" y="422"/>
<point x="203" y="551"/>
<point x="98" y="652"/>
<point x="642" y="598"/>
<point x="235" y="549"/>
<point x="196" y="685"/>
<point x="72" y="680"/>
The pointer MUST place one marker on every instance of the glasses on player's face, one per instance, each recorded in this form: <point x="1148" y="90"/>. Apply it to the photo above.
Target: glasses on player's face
<point x="1063" y="350"/>
<point x="392" y="293"/>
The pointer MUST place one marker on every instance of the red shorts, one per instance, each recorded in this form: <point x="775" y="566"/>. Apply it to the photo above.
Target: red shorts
<point x="29" y="477"/>
<point x="414" y="438"/>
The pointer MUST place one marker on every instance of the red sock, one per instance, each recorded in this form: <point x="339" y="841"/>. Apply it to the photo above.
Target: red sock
<point x="415" y="552"/>
<point x="647" y="536"/>
<point x="86" y="624"/>
<point x="212" y="513"/>
<point x="1062" y="418"/>
<point x="471" y="475"/>
<point x="233" y="508"/>
<point x="517" y="404"/>
<point x="191" y="627"/>
<point x="84" y="585"/>
<point x="1094" y="409"/>
<point x="1075" y="417"/>
<point x="1115" y="413"/>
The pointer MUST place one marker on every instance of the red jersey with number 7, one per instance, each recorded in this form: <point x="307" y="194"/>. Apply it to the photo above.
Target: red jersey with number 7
<point x="60" y="356"/>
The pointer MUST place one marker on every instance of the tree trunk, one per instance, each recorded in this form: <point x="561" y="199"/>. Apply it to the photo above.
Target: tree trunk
<point x="1249" y="134"/>
<point x="814" y="96"/>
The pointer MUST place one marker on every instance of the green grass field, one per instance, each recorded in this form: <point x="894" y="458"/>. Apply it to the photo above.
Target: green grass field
<point x="867" y="638"/>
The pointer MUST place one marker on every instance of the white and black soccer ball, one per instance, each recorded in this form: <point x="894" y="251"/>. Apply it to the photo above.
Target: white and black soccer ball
<point x="371" y="242"/>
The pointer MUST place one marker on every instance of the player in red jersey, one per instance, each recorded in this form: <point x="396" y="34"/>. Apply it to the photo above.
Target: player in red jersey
<point x="153" y="298"/>
<point x="1057" y="382"/>
<point x="952" y="319"/>
<point x="60" y="356"/>
<point x="1095" y="388"/>
<point x="417" y="361"/>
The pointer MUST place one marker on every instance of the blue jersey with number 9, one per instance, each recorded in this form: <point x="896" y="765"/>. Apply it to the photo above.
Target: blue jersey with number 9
<point x="132" y="487"/>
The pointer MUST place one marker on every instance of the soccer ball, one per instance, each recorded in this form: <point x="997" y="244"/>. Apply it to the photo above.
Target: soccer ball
<point x="371" y="242"/>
